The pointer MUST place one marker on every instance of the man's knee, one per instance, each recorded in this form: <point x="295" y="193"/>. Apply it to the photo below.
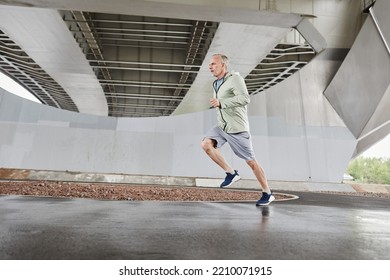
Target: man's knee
<point x="252" y="163"/>
<point x="208" y="144"/>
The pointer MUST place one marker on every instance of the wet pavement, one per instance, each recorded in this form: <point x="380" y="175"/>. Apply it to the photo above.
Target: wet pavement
<point x="315" y="226"/>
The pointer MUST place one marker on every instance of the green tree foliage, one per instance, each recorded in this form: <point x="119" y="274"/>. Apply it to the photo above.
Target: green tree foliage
<point x="370" y="170"/>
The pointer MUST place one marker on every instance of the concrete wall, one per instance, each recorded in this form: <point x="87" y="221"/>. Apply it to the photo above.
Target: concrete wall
<point x="297" y="136"/>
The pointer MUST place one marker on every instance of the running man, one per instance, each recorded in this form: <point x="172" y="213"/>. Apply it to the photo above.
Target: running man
<point x="230" y="98"/>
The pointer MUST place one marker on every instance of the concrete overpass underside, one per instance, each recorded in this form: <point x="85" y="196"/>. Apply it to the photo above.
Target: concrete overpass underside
<point x="125" y="84"/>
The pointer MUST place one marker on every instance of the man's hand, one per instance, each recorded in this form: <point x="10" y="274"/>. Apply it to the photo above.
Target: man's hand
<point x="215" y="102"/>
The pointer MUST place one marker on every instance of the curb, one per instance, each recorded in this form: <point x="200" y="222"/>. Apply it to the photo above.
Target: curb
<point x="243" y="184"/>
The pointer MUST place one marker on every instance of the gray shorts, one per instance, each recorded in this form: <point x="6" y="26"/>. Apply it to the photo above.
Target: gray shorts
<point x="240" y="143"/>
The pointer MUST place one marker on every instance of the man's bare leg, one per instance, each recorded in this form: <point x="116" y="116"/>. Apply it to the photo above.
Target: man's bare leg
<point x="208" y="146"/>
<point x="260" y="174"/>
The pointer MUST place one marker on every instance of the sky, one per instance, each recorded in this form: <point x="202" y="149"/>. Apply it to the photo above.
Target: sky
<point x="380" y="149"/>
<point x="9" y="85"/>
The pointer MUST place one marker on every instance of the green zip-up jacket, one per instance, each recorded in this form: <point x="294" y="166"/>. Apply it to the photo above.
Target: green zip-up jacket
<point x="233" y="97"/>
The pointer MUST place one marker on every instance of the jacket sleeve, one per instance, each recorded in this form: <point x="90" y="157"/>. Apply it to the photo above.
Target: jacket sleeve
<point x="240" y="95"/>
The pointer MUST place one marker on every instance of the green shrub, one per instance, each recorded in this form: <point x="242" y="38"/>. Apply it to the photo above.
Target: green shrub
<point x="370" y="170"/>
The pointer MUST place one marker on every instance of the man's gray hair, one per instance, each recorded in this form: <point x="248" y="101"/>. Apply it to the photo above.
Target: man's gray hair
<point x="224" y="59"/>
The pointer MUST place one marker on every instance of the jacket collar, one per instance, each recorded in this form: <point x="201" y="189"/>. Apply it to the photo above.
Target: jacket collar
<point x="227" y="75"/>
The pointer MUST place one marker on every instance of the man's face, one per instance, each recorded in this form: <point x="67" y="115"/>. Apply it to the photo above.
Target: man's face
<point x="216" y="67"/>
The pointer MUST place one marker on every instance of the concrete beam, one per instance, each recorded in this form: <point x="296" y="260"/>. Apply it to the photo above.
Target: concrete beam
<point x="243" y="57"/>
<point x="218" y="11"/>
<point x="44" y="36"/>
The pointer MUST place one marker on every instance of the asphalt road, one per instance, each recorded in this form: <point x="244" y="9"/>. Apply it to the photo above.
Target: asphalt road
<point x="315" y="226"/>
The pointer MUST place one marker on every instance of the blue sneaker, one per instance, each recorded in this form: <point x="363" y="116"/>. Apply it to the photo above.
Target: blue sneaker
<point x="230" y="179"/>
<point x="265" y="199"/>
